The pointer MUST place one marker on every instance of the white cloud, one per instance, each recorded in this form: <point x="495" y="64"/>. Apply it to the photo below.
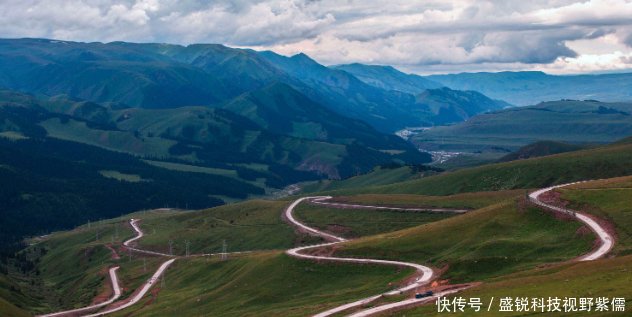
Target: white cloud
<point x="424" y="36"/>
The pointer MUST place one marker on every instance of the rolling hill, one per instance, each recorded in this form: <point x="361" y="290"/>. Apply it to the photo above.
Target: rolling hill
<point x="607" y="161"/>
<point x="317" y="142"/>
<point x="541" y="148"/>
<point x="567" y="121"/>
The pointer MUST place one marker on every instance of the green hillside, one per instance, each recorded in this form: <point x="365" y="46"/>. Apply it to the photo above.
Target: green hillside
<point x="443" y="106"/>
<point x="382" y="175"/>
<point x="320" y="142"/>
<point x="601" y="162"/>
<point x="264" y="284"/>
<point x="608" y="199"/>
<point x="563" y="121"/>
<point x="492" y="241"/>
<point x="541" y="148"/>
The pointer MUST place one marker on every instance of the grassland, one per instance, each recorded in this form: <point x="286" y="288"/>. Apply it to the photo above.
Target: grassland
<point x="604" y="278"/>
<point x="603" y="162"/>
<point x="609" y="199"/>
<point x="565" y="121"/>
<point x="251" y="225"/>
<point x="503" y="243"/>
<point x="71" y="268"/>
<point x="492" y="241"/>
<point x="353" y="223"/>
<point x="263" y="284"/>
<point x="458" y="201"/>
<point x="379" y="176"/>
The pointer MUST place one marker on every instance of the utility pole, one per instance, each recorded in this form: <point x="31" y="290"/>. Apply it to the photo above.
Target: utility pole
<point x="187" y="243"/>
<point x="170" y="247"/>
<point x="224" y="248"/>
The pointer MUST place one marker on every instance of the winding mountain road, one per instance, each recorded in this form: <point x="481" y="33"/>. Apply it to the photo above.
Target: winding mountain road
<point x="115" y="286"/>
<point x="606" y="239"/>
<point x="116" y="294"/>
<point x="424" y="273"/>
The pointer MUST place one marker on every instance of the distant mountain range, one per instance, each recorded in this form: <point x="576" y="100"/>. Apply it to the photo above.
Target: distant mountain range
<point x="530" y="88"/>
<point x="389" y="78"/>
<point x="158" y="76"/>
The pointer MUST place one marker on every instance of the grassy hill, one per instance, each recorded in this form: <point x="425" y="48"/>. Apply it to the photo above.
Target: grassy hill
<point x="251" y="225"/>
<point x="49" y="184"/>
<point x="562" y="121"/>
<point x="541" y="148"/>
<point x="317" y="142"/>
<point x="443" y="106"/>
<point x="502" y="242"/>
<point x="66" y="269"/>
<point x="492" y="241"/>
<point x="264" y="284"/>
<point x="381" y="175"/>
<point x="601" y="162"/>
<point x="609" y="199"/>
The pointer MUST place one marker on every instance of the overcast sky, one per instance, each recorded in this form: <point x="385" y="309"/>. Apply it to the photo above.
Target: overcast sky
<point x="557" y="36"/>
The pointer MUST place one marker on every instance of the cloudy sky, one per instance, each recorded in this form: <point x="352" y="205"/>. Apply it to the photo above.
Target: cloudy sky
<point x="557" y="36"/>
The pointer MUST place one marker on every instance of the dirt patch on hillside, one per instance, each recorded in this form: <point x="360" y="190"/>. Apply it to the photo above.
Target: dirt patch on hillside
<point x="106" y="290"/>
<point x="338" y="230"/>
<point x="115" y="255"/>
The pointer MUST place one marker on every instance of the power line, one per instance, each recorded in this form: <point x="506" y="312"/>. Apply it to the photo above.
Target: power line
<point x="224" y="249"/>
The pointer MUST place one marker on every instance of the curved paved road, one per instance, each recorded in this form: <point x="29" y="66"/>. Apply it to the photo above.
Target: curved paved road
<point x="117" y="293"/>
<point x="606" y="244"/>
<point x="138" y="295"/>
<point x="606" y="240"/>
<point x="115" y="286"/>
<point x="425" y="273"/>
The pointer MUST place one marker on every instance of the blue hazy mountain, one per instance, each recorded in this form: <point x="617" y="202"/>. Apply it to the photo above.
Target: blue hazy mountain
<point x="530" y="88"/>
<point x="389" y="78"/>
